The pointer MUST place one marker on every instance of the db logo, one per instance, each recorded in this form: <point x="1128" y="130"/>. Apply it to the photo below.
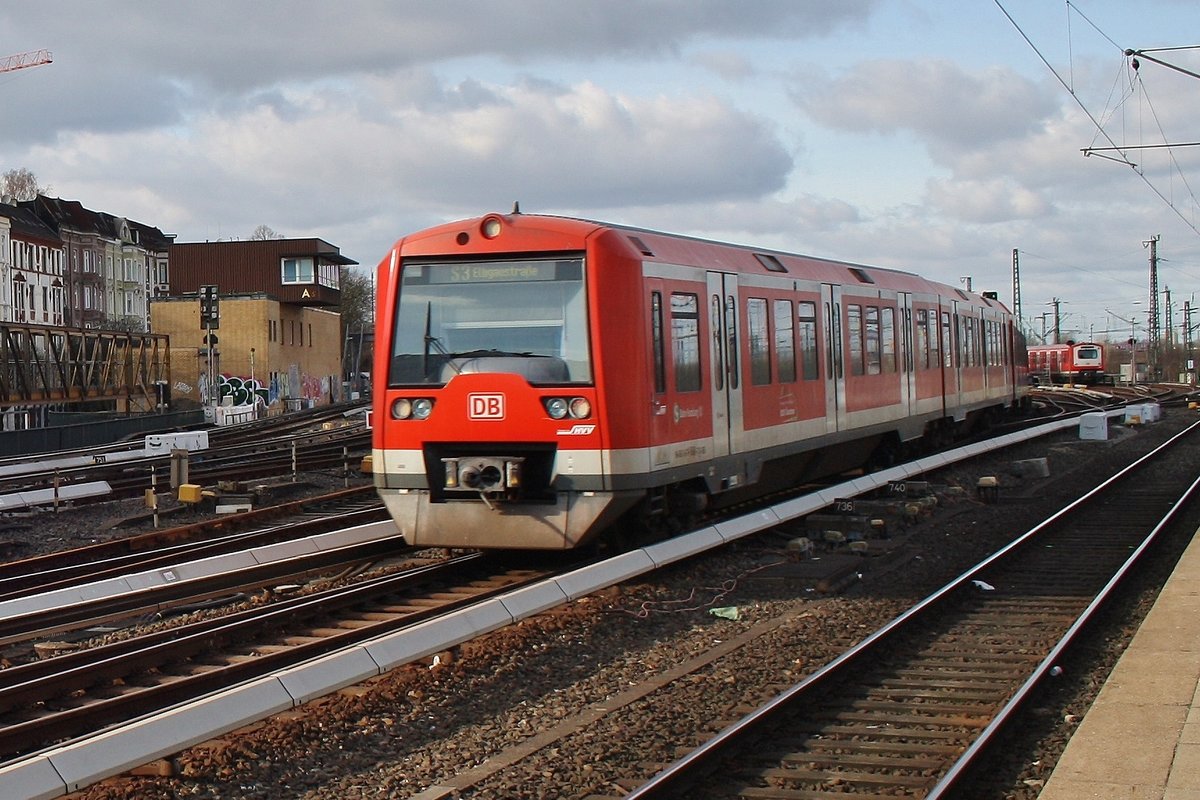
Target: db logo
<point x="485" y="406"/>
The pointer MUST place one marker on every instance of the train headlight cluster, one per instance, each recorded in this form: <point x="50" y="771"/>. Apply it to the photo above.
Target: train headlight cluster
<point x="412" y="408"/>
<point x="561" y="407"/>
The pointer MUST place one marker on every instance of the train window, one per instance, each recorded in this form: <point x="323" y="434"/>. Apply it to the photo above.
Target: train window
<point x="656" y="333"/>
<point x="717" y="350"/>
<point x="871" y="339"/>
<point x="947" y="349"/>
<point x="935" y="343"/>
<point x="922" y="339"/>
<point x="770" y="262"/>
<point x="641" y="246"/>
<point x="785" y="341"/>
<point x="807" y="316"/>
<point x="854" y="334"/>
<point x="887" y="339"/>
<point x="685" y="339"/>
<point x="731" y="335"/>
<point x="760" y="343"/>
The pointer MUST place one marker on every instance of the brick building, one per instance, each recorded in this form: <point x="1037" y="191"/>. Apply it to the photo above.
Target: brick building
<point x="279" y="336"/>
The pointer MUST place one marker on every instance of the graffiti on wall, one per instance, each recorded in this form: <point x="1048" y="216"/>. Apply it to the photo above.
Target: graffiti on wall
<point x="242" y="390"/>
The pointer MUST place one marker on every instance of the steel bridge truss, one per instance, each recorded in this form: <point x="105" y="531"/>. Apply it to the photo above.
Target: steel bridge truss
<point x="41" y="365"/>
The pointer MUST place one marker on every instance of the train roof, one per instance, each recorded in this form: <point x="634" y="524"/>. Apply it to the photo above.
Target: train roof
<point x="677" y="248"/>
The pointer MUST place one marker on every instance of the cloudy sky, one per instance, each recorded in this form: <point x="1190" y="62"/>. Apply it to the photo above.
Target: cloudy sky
<point x="917" y="134"/>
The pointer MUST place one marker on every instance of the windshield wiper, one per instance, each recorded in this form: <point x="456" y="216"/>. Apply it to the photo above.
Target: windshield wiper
<point x="493" y="352"/>
<point x="435" y="343"/>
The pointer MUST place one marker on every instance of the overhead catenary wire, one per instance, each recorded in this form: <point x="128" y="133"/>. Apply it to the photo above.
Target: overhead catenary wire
<point x="1124" y="159"/>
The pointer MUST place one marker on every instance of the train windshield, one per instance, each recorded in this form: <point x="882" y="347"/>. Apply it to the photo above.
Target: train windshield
<point x="524" y="316"/>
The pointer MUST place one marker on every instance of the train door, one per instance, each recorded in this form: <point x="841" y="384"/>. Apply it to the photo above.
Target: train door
<point x="835" y="376"/>
<point x="726" y="363"/>
<point x="660" y="403"/>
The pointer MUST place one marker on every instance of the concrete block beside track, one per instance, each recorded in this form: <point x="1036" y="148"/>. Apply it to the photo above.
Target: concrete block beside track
<point x="681" y="547"/>
<point x="327" y="674"/>
<point x="356" y="535"/>
<point x="586" y="580"/>
<point x="283" y="550"/>
<point x="32" y="780"/>
<point x="747" y="524"/>
<point x="216" y="565"/>
<point x="427" y="638"/>
<point x="86" y="761"/>
<point x="533" y="599"/>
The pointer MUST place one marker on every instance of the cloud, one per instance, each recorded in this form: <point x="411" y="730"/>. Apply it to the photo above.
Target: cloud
<point x="943" y="104"/>
<point x="996" y="200"/>
<point x="329" y="157"/>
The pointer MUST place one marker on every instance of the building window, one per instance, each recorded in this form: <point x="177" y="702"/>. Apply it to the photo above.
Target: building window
<point x="297" y="270"/>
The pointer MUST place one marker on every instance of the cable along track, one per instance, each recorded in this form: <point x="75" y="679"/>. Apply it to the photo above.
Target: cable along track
<point x="909" y="710"/>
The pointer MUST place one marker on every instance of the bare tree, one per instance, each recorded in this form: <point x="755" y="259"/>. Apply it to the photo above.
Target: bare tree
<point x="265" y="232"/>
<point x="21" y="184"/>
<point x="358" y="320"/>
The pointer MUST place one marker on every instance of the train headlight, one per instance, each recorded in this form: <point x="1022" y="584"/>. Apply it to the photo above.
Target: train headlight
<point x="556" y="407"/>
<point x="581" y="408"/>
<point x="512" y="474"/>
<point x="490" y="228"/>
<point x="407" y="408"/>
<point x="451" y="467"/>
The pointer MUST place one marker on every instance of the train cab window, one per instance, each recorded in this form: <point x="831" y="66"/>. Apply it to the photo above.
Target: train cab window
<point x="855" y="337"/>
<point x="785" y="341"/>
<point x="806" y="315"/>
<point x="659" y="345"/>
<point x="525" y="316"/>
<point x="871" y="339"/>
<point x="760" y="343"/>
<point x="887" y="339"/>
<point x="685" y="341"/>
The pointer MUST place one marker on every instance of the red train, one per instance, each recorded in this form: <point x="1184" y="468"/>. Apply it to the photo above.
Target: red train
<point x="1072" y="362"/>
<point x="539" y="378"/>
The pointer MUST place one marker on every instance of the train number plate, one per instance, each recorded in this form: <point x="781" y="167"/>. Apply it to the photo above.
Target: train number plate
<point x="485" y="406"/>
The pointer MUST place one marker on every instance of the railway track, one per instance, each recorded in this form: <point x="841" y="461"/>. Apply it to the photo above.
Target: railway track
<point x="76" y="693"/>
<point x="915" y="706"/>
<point x="207" y="538"/>
<point x="124" y="680"/>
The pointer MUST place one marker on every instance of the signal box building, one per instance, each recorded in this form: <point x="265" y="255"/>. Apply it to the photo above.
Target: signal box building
<point x="277" y="334"/>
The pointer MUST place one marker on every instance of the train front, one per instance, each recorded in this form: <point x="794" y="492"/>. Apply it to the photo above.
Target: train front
<point x="486" y="431"/>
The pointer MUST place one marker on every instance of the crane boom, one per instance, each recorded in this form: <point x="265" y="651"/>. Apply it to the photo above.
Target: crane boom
<point x="34" y="58"/>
